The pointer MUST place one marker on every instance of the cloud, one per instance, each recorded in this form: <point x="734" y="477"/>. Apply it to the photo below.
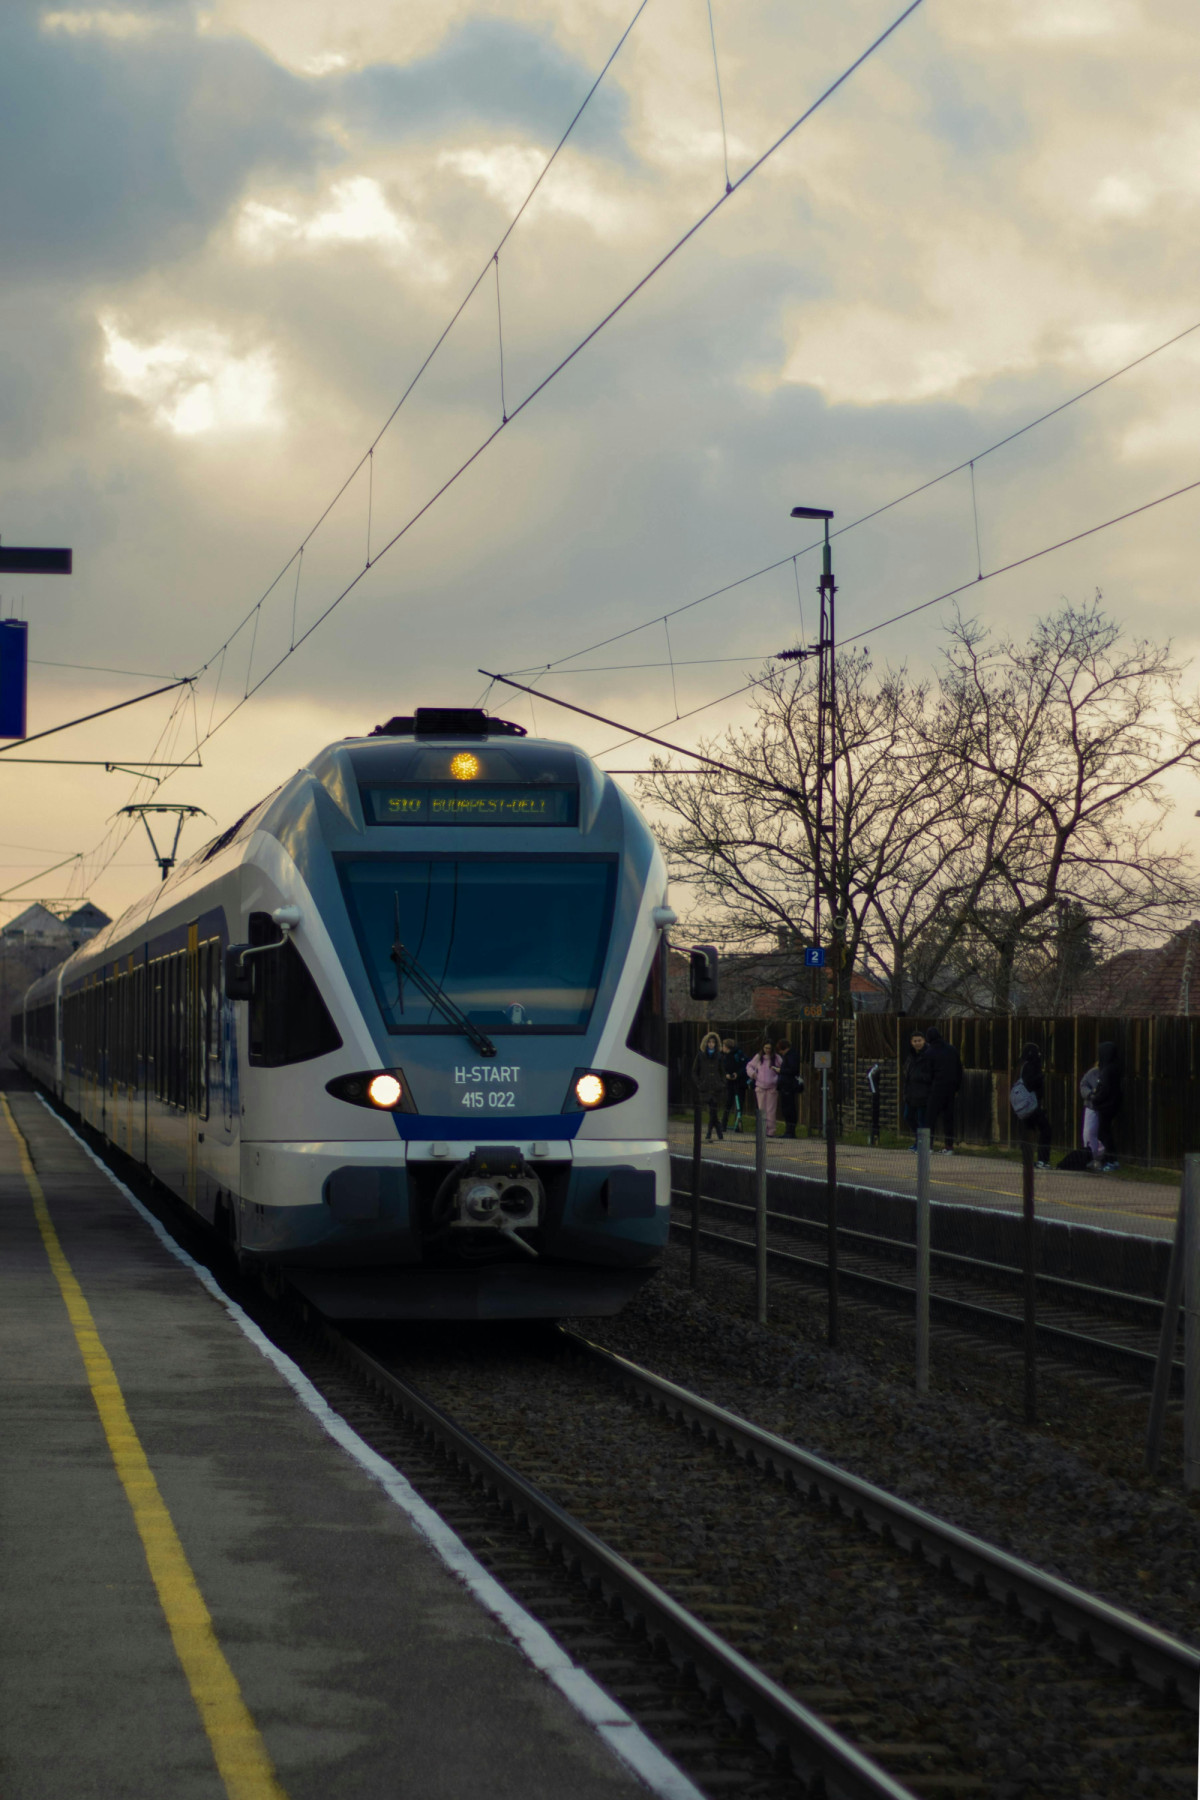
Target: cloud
<point x="120" y="149"/>
<point x="193" y="382"/>
<point x="498" y="72"/>
<point x="275" y="207"/>
<point x="102" y="22"/>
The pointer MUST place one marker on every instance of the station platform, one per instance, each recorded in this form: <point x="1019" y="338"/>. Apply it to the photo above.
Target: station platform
<point x="1108" y="1202"/>
<point x="205" y="1594"/>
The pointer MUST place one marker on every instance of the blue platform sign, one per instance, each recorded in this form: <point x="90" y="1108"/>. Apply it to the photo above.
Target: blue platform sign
<point x="14" y="653"/>
<point x="814" y="956"/>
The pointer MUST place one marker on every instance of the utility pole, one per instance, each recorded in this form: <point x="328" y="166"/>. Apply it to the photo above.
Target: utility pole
<point x="826" y="875"/>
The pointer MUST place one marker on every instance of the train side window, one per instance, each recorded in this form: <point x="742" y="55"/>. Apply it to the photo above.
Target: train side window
<point x="648" y="1033"/>
<point x="289" y="1021"/>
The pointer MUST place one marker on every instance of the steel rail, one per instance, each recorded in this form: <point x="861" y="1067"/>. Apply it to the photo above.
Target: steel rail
<point x="797" y="1737"/>
<point x="976" y="1265"/>
<point x="1171" y="1667"/>
<point x="1139" y="1362"/>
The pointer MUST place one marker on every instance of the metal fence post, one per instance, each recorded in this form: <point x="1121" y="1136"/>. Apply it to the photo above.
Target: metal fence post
<point x="1028" y="1251"/>
<point x="1168" y="1333"/>
<point x="694" y="1267"/>
<point x="1191" y="1322"/>
<point x="831" y="1209"/>
<point x="760" y="1216"/>
<point x="923" y="1260"/>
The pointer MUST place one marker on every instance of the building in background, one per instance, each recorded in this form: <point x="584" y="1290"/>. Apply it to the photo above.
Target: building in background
<point x="34" y="943"/>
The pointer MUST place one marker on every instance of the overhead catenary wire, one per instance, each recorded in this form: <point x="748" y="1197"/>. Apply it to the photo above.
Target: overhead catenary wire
<point x="712" y="35"/>
<point x="876" y="512"/>
<point x="909" y="612"/>
<point x="826" y="94"/>
<point x="445" y="332"/>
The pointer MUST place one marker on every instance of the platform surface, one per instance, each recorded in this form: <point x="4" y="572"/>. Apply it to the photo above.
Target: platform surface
<point x="368" y="1670"/>
<point x="1143" y="1208"/>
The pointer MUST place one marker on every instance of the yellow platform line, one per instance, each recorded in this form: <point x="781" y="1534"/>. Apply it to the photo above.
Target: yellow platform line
<point x="241" y="1756"/>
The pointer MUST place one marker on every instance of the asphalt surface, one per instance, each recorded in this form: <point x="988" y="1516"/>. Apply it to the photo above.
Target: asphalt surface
<point x="368" y="1670"/>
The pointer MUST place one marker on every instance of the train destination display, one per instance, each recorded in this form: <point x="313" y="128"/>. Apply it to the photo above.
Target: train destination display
<point x="455" y="803"/>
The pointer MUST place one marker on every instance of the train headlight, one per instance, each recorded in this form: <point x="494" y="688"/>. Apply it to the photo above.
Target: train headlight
<point x="464" y="766"/>
<point x="385" y="1091"/>
<point x="591" y="1089"/>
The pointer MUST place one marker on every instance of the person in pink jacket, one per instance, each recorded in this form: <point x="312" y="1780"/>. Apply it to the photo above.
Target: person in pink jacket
<point x="763" y="1071"/>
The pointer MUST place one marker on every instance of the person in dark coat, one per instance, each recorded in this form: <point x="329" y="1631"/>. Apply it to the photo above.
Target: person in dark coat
<point x="733" y="1067"/>
<point x="947" y="1079"/>
<point x="1034" y="1078"/>
<point x="708" y="1079"/>
<point x="917" y="1084"/>
<point x="1107" y="1096"/>
<point x="790" y="1087"/>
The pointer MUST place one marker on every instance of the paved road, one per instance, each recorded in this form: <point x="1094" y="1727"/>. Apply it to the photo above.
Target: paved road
<point x="1141" y="1207"/>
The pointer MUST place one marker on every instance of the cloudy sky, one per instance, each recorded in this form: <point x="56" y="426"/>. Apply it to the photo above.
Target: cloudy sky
<point x="234" y="231"/>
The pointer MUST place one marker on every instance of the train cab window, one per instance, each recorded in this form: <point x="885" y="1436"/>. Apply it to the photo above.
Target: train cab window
<point x="289" y="1021"/>
<point x="648" y="1033"/>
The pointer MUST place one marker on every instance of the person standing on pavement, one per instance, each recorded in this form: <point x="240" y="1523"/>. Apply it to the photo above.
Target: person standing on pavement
<point x="733" y="1067"/>
<point x="790" y="1086"/>
<point x="763" y="1071"/>
<point x="918" y="1084"/>
<point x="1088" y="1084"/>
<point x="1033" y="1075"/>
<point x="1107" y="1096"/>
<point x="947" y="1079"/>
<point x="708" y="1079"/>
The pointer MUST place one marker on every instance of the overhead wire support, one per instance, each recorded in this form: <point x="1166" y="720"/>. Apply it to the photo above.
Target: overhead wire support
<point x="712" y="34"/>
<point x="100" y="713"/>
<point x="713" y="762"/>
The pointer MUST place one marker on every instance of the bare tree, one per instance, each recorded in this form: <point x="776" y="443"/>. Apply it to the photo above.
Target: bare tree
<point x="984" y="819"/>
<point x="1066" y="739"/>
<point x="750" y="855"/>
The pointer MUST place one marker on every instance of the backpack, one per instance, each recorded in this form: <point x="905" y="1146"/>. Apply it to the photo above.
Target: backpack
<point x="1023" y="1103"/>
<point x="1076" y="1159"/>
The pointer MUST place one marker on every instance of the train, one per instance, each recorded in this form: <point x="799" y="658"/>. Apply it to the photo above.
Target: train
<point x="399" y="1034"/>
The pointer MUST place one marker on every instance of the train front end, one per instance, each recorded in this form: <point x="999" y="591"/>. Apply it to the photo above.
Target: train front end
<point x="493" y="1127"/>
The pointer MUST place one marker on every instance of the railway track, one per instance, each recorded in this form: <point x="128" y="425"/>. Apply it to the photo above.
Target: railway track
<point x="1100" y="1327"/>
<point x="827" y="1715"/>
<point x="781" y="1628"/>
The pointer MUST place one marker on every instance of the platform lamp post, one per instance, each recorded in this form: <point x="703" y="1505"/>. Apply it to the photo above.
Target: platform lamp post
<point x="827" y="871"/>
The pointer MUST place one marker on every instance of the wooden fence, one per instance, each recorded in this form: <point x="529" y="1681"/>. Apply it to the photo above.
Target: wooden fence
<point x="1158" y="1124"/>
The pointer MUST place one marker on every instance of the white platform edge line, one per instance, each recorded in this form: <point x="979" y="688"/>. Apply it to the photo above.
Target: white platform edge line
<point x="624" y="1737"/>
<point x="1006" y="1212"/>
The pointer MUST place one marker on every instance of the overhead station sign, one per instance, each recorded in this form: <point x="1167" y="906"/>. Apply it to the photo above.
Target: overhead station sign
<point x="14" y="662"/>
<point x="455" y="803"/>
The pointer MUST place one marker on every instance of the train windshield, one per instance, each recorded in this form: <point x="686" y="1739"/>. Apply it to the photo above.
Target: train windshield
<point x="517" y="944"/>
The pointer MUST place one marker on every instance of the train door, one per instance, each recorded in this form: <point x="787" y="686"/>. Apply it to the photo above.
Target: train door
<point x="195" y="1069"/>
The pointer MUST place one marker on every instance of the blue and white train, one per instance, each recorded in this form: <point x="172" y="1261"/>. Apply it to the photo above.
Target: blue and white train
<point x="400" y="1031"/>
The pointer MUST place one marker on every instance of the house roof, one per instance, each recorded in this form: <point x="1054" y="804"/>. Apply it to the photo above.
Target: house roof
<point x="36" y="921"/>
<point x="1163" y="978"/>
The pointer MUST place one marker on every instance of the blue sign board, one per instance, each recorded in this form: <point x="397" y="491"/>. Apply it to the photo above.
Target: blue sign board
<point x="14" y="652"/>
<point x="814" y="956"/>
